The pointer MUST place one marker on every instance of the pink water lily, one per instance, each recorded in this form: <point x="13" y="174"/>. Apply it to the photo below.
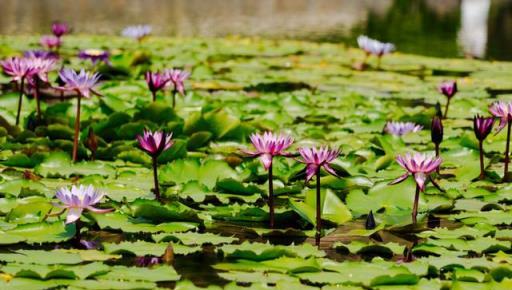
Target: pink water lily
<point x="401" y="128"/>
<point x="50" y="42"/>
<point x="42" y="66"/>
<point x="503" y="110"/>
<point x="156" y="81"/>
<point x="156" y="142"/>
<point x="268" y="145"/>
<point x="449" y="89"/>
<point x="77" y="199"/>
<point x="482" y="127"/>
<point x="177" y="78"/>
<point x="316" y="158"/>
<point x="419" y="165"/>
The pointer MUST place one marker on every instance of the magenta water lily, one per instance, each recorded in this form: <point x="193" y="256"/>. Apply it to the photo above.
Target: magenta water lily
<point x="156" y="81"/>
<point x="83" y="83"/>
<point x="503" y="111"/>
<point x="401" y="128"/>
<point x="448" y="89"/>
<point x="50" y="42"/>
<point x="419" y="166"/>
<point x="374" y="47"/>
<point x="315" y="159"/>
<point x="482" y="127"/>
<point x="77" y="199"/>
<point x="268" y="145"/>
<point x="137" y="32"/>
<point x="177" y="78"/>
<point x="154" y="143"/>
<point x="19" y="70"/>
<point x="59" y="29"/>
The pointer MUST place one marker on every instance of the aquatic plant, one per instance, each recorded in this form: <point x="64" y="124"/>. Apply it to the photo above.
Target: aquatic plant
<point x="448" y="89"/>
<point x="269" y="145"/>
<point x="315" y="159"/>
<point x="374" y="47"/>
<point x="94" y="55"/>
<point x="156" y="81"/>
<point x="83" y="84"/>
<point x="42" y="66"/>
<point x="77" y="199"/>
<point x="503" y="110"/>
<point x="482" y="127"/>
<point x="137" y="32"/>
<point x="19" y="70"/>
<point x="177" y="78"/>
<point x="60" y="28"/>
<point x="50" y="42"/>
<point x="154" y="143"/>
<point x="436" y="133"/>
<point x="419" y="166"/>
<point x="401" y="128"/>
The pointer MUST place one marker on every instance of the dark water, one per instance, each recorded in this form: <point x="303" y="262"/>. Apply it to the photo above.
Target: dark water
<point x="454" y="28"/>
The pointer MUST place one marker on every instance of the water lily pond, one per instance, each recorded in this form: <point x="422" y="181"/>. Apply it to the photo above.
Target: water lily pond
<point x="191" y="211"/>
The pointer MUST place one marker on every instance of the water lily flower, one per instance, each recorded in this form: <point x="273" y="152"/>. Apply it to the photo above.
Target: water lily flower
<point x="269" y="145"/>
<point x="147" y="261"/>
<point x="51" y="42"/>
<point x="40" y="54"/>
<point x="448" y="89"/>
<point x="177" y="78"/>
<point x="420" y="166"/>
<point x="138" y="32"/>
<point x="156" y="81"/>
<point x="374" y="47"/>
<point x="154" y="143"/>
<point x="83" y="84"/>
<point x="436" y="133"/>
<point x="316" y="158"/>
<point x="78" y="199"/>
<point x="503" y="110"/>
<point x="401" y="128"/>
<point x="19" y="70"/>
<point x="482" y="127"/>
<point x="42" y="67"/>
<point x="94" y="55"/>
<point x="60" y="28"/>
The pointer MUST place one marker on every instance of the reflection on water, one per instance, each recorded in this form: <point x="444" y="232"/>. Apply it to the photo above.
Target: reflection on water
<point x="481" y="28"/>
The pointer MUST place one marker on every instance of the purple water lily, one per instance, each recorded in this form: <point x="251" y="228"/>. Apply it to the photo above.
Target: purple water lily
<point x="503" y="110"/>
<point x="401" y="128"/>
<point x="315" y="159"/>
<point x="19" y="70"/>
<point x="154" y="143"/>
<point x="83" y="84"/>
<point x="269" y="145"/>
<point x="94" y="55"/>
<point x="156" y="81"/>
<point x="420" y="166"/>
<point x="147" y="261"/>
<point x="60" y="28"/>
<point x="482" y="127"/>
<point x="177" y="78"/>
<point x="374" y="47"/>
<point x="40" y="54"/>
<point x="50" y="42"/>
<point x="138" y="32"/>
<point x="78" y="199"/>
<point x="449" y="89"/>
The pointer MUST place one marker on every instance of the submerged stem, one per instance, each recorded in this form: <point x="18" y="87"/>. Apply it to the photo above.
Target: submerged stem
<point x="153" y="95"/>
<point x="155" y="178"/>
<point x="271" y="196"/>
<point x="22" y="84"/>
<point x="174" y="92"/>
<point x="507" y="150"/>
<point x="77" y="128"/>
<point x="415" y="205"/>
<point x="482" y="172"/>
<point x="318" y="209"/>
<point x="437" y="155"/>
<point x="38" y="103"/>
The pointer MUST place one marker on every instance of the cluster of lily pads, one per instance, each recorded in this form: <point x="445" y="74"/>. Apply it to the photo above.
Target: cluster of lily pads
<point x="159" y="193"/>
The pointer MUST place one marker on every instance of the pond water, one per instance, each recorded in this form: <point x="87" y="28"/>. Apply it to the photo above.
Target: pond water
<point x="452" y="28"/>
